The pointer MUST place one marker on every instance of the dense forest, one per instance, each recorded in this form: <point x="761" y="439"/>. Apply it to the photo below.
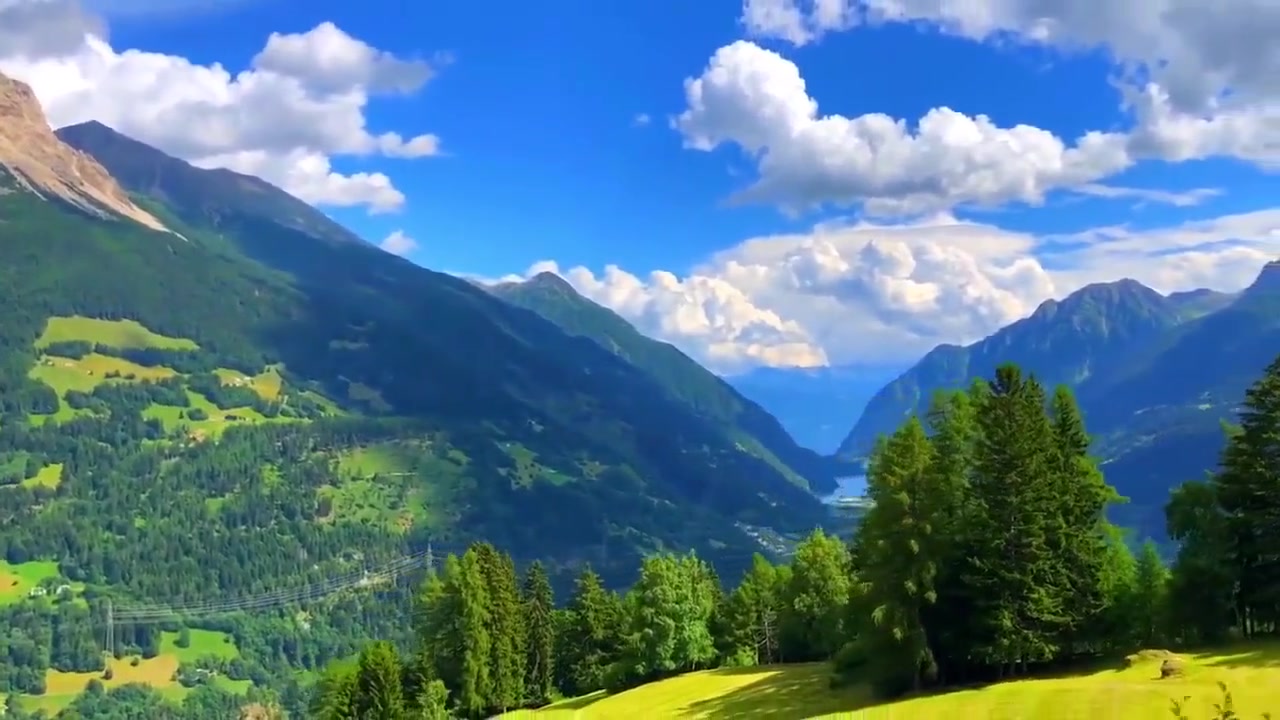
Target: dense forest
<point x="986" y="556"/>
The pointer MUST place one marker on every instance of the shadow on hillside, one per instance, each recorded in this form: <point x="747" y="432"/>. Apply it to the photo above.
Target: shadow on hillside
<point x="779" y="696"/>
<point x="1258" y="657"/>
<point x="579" y="702"/>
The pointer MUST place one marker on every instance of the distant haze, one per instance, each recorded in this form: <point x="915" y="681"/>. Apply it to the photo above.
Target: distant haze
<point x="818" y="406"/>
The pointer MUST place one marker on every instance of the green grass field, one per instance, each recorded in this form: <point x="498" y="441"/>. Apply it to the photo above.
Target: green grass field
<point x="203" y="644"/>
<point x="1252" y="674"/>
<point x="212" y="426"/>
<point x="116" y="333"/>
<point x="17" y="580"/>
<point x="49" y="476"/>
<point x="268" y="384"/>
<point x="62" y="688"/>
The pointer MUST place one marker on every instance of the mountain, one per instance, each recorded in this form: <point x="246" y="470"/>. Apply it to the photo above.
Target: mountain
<point x="33" y="159"/>
<point x="1062" y="342"/>
<point x="1156" y="376"/>
<point x="814" y="404"/>
<point x="193" y="353"/>
<point x="744" y="422"/>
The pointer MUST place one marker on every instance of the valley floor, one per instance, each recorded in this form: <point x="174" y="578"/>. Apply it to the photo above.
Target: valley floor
<point x="792" y="692"/>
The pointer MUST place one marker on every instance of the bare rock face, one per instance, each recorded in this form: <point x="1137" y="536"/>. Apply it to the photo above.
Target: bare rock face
<point x="50" y="168"/>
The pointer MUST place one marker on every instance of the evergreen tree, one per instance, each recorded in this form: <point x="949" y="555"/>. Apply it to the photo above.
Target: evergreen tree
<point x="953" y="421"/>
<point x="506" y="628"/>
<point x="1150" y="585"/>
<point x="474" y="686"/>
<point x="816" y="598"/>
<point x="538" y="606"/>
<point x="752" y="611"/>
<point x="1017" y="586"/>
<point x="1249" y="495"/>
<point x="591" y="633"/>
<point x="896" y="570"/>
<point x="1078" y="536"/>
<point x="379" y="693"/>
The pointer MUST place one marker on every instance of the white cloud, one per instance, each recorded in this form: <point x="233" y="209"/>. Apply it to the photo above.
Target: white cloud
<point x="397" y="243"/>
<point x="1197" y="49"/>
<point x="641" y="120"/>
<point x="865" y="293"/>
<point x="756" y="99"/>
<point x="301" y="103"/>
<point x="1164" y="197"/>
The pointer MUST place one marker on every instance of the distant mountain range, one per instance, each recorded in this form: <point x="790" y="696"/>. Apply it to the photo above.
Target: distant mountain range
<point x="815" y="404"/>
<point x="1155" y="375"/>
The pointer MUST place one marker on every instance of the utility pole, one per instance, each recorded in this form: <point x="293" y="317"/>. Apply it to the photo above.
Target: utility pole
<point x="111" y="631"/>
<point x="431" y="560"/>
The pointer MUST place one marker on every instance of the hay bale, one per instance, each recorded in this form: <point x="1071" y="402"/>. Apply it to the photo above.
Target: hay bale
<point x="1174" y="667"/>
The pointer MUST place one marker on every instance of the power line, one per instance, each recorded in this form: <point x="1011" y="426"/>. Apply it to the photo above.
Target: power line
<point x="356" y="580"/>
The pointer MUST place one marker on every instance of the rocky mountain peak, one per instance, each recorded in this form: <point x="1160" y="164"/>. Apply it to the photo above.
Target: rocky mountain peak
<point x="38" y="161"/>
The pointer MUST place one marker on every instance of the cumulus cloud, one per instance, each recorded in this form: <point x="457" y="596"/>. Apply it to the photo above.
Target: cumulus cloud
<point x="397" y="243"/>
<point x="868" y="293"/>
<point x="756" y="99"/>
<point x="1199" y="79"/>
<point x="301" y="103"/>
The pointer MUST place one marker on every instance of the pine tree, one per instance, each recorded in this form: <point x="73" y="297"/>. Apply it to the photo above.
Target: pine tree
<point x="379" y="694"/>
<point x="1078" y="537"/>
<point x="953" y="421"/>
<point x="591" y="633"/>
<point x="1249" y="494"/>
<point x="1202" y="588"/>
<point x="506" y="628"/>
<point x="1150" y="584"/>
<point x="539" y="605"/>
<point x="752" y="611"/>
<point x="468" y="586"/>
<point x="336" y="694"/>
<point x="1012" y="571"/>
<point x="896" y="571"/>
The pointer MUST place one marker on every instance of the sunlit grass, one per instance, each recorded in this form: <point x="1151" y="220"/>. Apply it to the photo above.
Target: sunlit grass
<point x="1252" y="673"/>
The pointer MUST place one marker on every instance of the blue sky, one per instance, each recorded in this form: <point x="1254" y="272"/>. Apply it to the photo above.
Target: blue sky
<point x="542" y="158"/>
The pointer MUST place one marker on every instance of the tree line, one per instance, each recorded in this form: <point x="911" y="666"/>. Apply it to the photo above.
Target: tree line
<point x="987" y="555"/>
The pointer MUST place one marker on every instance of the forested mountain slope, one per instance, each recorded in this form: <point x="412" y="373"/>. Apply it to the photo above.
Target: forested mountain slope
<point x="1155" y="375"/>
<point x="1062" y="342"/>
<point x="746" y="422"/>
<point x="250" y="398"/>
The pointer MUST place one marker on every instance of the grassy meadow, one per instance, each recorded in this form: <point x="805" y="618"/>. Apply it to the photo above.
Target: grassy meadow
<point x="62" y="688"/>
<point x="17" y="580"/>
<point x="83" y="375"/>
<point x="792" y="692"/>
<point x="116" y="333"/>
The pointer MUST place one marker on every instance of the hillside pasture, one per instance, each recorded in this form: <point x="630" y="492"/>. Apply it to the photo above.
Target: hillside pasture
<point x="63" y="374"/>
<point x="397" y="485"/>
<point x="50" y="476"/>
<point x="116" y="333"/>
<point x="177" y="419"/>
<point x="268" y="383"/>
<point x="16" y="581"/>
<point x="62" y="688"/>
<point x="1128" y="691"/>
<point x="204" y="643"/>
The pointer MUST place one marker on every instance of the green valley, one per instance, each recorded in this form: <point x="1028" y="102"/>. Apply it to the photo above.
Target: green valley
<point x="206" y="427"/>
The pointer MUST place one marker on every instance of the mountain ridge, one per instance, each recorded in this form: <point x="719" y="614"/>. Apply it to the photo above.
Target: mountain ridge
<point x="1060" y="340"/>
<point x="33" y="155"/>
<point x="711" y="396"/>
<point x="519" y="423"/>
